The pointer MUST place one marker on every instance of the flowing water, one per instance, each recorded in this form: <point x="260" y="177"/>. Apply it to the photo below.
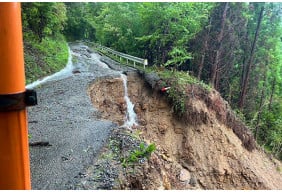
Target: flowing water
<point x="65" y="72"/>
<point x="97" y="57"/>
<point x="131" y="117"/>
<point x="81" y="66"/>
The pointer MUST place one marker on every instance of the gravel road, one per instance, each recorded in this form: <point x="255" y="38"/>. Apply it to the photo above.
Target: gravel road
<point x="65" y="131"/>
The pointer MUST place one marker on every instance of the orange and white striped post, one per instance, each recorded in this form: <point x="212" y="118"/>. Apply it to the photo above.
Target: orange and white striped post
<point x="14" y="151"/>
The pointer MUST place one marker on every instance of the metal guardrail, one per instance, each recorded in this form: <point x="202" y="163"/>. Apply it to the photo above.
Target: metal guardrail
<point x="122" y="55"/>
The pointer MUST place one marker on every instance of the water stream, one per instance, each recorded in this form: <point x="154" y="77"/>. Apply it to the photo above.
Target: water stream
<point x="65" y="72"/>
<point x="131" y="117"/>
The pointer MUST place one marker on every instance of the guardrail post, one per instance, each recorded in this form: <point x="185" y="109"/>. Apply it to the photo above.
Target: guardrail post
<point x="14" y="152"/>
<point x="145" y="62"/>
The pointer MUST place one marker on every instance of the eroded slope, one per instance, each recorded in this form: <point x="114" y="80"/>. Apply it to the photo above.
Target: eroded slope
<point x="200" y="150"/>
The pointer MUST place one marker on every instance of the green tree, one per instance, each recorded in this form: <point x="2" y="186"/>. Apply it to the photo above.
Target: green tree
<point x="239" y="53"/>
<point x="80" y="23"/>
<point x="157" y="31"/>
<point x="167" y="29"/>
<point x="45" y="49"/>
<point x="43" y="19"/>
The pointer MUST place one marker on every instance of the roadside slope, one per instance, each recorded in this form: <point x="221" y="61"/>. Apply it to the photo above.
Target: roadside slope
<point x="198" y="151"/>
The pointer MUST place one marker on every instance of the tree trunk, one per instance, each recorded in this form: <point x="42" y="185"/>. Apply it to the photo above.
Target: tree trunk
<point x="272" y="93"/>
<point x="250" y="63"/>
<point x="217" y="79"/>
<point x="262" y="97"/>
<point x="201" y="65"/>
<point x="215" y="65"/>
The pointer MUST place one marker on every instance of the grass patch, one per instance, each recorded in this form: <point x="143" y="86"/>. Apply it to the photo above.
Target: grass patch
<point x="183" y="78"/>
<point x="44" y="58"/>
<point x="178" y="82"/>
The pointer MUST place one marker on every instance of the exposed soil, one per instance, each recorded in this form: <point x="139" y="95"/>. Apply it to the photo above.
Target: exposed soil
<point x="199" y="151"/>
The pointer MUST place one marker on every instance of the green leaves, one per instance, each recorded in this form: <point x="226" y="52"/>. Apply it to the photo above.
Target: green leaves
<point x="270" y="129"/>
<point x="45" y="57"/>
<point x="151" y="30"/>
<point x="143" y="152"/>
<point x="43" y="19"/>
<point x="178" y="56"/>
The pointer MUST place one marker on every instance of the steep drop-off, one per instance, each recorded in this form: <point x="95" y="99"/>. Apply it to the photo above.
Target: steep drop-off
<point x="201" y="150"/>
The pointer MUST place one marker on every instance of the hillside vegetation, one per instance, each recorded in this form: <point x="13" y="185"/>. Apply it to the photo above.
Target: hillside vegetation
<point x="45" y="48"/>
<point x="233" y="47"/>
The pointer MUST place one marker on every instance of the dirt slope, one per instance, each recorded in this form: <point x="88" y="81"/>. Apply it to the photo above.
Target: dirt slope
<point x="199" y="151"/>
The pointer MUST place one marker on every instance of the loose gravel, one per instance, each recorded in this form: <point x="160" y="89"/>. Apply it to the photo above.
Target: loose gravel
<point x="68" y="125"/>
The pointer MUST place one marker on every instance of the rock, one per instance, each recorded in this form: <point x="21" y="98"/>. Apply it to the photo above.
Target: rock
<point x="164" y="157"/>
<point x="193" y="181"/>
<point x="153" y="108"/>
<point x="76" y="71"/>
<point x="184" y="175"/>
<point x="121" y="100"/>
<point x="161" y="129"/>
<point x="152" y="78"/>
<point x="121" y="104"/>
<point x="107" y="102"/>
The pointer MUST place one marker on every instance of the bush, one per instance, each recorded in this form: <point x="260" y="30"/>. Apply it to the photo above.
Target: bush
<point x="45" y="57"/>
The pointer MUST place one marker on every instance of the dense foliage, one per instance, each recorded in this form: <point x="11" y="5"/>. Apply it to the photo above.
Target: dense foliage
<point x="241" y="58"/>
<point x="45" y="48"/>
<point x="234" y="47"/>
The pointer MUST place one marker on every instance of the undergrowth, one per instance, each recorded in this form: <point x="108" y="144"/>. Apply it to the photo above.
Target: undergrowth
<point x="143" y="151"/>
<point x="45" y="57"/>
<point x="182" y="78"/>
<point x="178" y="82"/>
<point x="129" y="149"/>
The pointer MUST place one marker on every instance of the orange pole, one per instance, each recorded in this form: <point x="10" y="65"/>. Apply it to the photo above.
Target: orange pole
<point x="14" y="152"/>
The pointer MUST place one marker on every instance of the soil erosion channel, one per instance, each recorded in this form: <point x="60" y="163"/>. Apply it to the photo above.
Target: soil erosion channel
<point x="204" y="154"/>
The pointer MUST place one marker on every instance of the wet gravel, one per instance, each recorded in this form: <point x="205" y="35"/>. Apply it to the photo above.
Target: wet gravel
<point x="111" y="171"/>
<point x="68" y="124"/>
